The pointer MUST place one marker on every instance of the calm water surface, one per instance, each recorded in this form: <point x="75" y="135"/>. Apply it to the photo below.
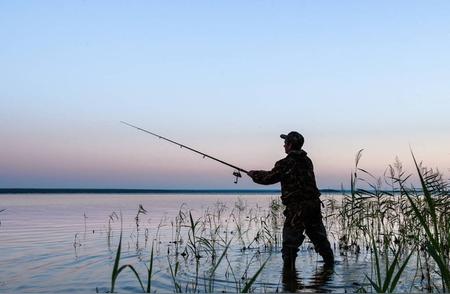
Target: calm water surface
<point x="67" y="243"/>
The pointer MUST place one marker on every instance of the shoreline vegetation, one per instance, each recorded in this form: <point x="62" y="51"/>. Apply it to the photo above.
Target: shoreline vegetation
<point x="396" y="229"/>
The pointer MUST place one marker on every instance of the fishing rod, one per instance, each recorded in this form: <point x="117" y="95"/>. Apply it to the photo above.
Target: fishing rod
<point x="236" y="173"/>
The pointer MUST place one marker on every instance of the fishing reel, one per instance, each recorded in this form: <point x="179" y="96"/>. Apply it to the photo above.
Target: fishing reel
<point x="237" y="175"/>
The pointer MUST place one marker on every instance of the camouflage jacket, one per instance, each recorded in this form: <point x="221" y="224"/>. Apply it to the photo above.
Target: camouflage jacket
<point x="296" y="174"/>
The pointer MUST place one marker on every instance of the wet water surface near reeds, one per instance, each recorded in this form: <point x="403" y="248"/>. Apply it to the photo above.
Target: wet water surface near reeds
<point x="200" y="243"/>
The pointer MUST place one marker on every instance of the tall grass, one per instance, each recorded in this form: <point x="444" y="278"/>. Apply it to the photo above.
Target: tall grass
<point x="197" y="246"/>
<point x="403" y="218"/>
<point x="387" y="282"/>
<point x="252" y="280"/>
<point x="117" y="270"/>
<point x="435" y="223"/>
<point x="398" y="227"/>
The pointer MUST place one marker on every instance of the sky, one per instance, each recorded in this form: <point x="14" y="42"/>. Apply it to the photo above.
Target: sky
<point x="225" y="77"/>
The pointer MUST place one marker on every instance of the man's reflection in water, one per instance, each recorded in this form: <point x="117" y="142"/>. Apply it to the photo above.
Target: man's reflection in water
<point x="292" y="282"/>
<point x="320" y="279"/>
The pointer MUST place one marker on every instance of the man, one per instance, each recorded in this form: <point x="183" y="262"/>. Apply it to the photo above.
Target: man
<point x="300" y="195"/>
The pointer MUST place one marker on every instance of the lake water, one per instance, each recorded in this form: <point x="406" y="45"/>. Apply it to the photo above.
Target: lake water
<point x="68" y="243"/>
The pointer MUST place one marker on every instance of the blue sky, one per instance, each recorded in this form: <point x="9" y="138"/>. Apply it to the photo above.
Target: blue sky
<point x="226" y="77"/>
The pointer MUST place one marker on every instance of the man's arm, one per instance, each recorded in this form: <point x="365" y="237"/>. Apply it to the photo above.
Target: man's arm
<point x="267" y="177"/>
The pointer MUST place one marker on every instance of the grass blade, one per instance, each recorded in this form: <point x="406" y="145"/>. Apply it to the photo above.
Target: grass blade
<point x="135" y="273"/>
<point x="150" y="270"/>
<point x="253" y="279"/>
<point x="115" y="272"/>
<point x="400" y="271"/>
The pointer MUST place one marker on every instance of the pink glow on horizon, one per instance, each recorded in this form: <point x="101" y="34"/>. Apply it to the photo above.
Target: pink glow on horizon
<point x="131" y="159"/>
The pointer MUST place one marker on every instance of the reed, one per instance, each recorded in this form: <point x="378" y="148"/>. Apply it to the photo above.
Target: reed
<point x="193" y="240"/>
<point x="216" y="265"/>
<point x="435" y="223"/>
<point x="117" y="270"/>
<point x="387" y="283"/>
<point x="173" y="273"/>
<point x="398" y="228"/>
<point x="404" y="218"/>
<point x="150" y="271"/>
<point x="112" y="217"/>
<point x="197" y="246"/>
<point x="252" y="280"/>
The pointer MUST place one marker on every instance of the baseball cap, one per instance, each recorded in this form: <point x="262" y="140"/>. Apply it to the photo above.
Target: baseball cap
<point x="293" y="137"/>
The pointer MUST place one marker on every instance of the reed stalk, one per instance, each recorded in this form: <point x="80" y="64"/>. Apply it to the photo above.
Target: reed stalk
<point x="117" y="270"/>
<point x="387" y="283"/>
<point x="252" y="280"/>
<point x="437" y="243"/>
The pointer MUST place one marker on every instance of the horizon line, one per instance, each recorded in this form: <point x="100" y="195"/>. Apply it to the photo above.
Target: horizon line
<point x="142" y="191"/>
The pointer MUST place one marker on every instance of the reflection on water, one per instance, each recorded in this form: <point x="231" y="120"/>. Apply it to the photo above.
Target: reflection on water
<point x="321" y="278"/>
<point x="293" y="281"/>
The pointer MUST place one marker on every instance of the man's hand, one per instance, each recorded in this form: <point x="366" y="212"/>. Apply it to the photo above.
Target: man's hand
<point x="251" y="173"/>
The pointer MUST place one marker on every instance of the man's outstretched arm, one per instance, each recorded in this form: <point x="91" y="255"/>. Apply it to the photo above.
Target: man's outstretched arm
<point x="267" y="177"/>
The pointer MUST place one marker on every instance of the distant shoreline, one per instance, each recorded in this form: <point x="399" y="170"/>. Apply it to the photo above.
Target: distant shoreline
<point x="143" y="191"/>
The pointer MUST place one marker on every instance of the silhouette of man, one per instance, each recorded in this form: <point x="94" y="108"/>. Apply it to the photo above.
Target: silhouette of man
<point x="300" y="195"/>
